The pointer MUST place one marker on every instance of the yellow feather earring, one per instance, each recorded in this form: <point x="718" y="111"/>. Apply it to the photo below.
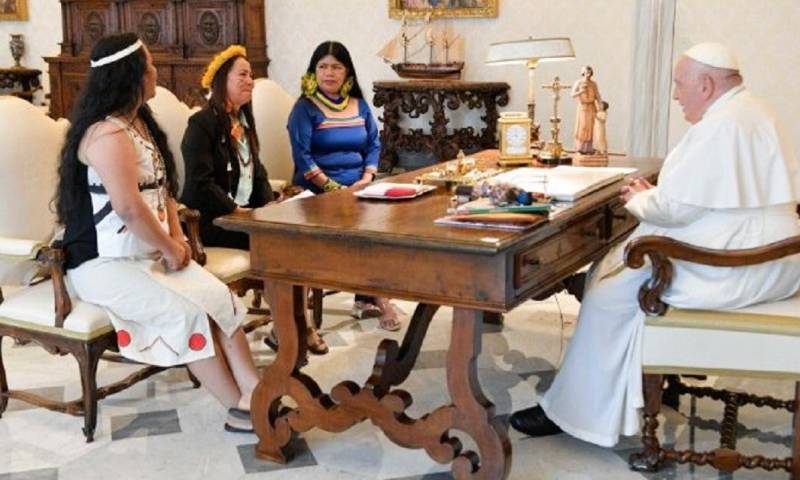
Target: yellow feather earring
<point x="346" y="87"/>
<point x="308" y="84"/>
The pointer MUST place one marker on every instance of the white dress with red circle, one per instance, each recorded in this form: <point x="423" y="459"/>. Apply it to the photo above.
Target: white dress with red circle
<point x="161" y="317"/>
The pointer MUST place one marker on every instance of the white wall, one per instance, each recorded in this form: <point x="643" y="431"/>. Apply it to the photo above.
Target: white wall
<point x="42" y="34"/>
<point x="764" y="37"/>
<point x="761" y="33"/>
<point x="600" y="31"/>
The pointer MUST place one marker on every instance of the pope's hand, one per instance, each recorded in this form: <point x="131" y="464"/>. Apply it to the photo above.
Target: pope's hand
<point x="633" y="187"/>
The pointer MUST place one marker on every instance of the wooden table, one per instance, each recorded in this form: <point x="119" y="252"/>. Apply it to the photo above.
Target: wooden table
<point x="393" y="249"/>
<point x="413" y="98"/>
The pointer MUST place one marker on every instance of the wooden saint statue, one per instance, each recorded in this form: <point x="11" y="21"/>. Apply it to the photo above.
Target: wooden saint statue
<point x="589" y="102"/>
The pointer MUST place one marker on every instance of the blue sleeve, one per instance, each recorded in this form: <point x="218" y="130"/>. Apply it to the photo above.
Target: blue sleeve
<point x="372" y="149"/>
<point x="301" y="127"/>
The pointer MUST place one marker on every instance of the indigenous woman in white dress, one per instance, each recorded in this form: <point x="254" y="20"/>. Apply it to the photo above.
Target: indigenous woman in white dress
<point x="125" y="250"/>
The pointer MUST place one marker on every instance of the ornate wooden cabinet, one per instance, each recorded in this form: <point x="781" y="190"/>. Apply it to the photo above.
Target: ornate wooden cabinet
<point x="182" y="35"/>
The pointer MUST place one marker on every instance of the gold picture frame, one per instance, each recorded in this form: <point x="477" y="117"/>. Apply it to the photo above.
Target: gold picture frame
<point x="442" y="8"/>
<point x="14" y="10"/>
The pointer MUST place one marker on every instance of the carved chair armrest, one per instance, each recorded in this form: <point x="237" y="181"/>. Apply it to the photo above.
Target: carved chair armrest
<point x="52" y="259"/>
<point x="662" y="249"/>
<point x="190" y="218"/>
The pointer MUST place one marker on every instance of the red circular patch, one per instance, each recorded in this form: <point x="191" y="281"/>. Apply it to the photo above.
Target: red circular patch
<point x="123" y="338"/>
<point x="197" y="342"/>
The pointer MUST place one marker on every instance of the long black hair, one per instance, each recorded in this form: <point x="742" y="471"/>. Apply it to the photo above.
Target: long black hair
<point x="217" y="103"/>
<point x="340" y="53"/>
<point x="115" y="88"/>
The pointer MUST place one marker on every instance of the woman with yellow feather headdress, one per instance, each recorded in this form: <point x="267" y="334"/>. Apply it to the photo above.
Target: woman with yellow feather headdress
<point x="220" y="148"/>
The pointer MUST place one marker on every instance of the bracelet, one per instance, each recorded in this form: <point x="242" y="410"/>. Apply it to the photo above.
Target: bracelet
<point x="331" y="185"/>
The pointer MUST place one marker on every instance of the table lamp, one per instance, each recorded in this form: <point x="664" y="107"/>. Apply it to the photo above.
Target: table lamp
<point x="530" y="52"/>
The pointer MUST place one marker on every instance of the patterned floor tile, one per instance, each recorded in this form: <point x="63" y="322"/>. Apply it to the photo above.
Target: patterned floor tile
<point x="431" y="359"/>
<point x="302" y="458"/>
<point x="516" y="361"/>
<point x="430" y="476"/>
<point x="145" y="424"/>
<point x="39" y="474"/>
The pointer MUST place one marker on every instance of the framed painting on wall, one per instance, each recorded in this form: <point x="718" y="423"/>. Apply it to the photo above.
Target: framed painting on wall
<point x="442" y="8"/>
<point x="13" y="9"/>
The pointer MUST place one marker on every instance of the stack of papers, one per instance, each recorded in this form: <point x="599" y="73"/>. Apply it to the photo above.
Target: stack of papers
<point x="563" y="183"/>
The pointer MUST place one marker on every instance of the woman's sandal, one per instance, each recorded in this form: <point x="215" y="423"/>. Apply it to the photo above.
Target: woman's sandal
<point x="239" y="421"/>
<point x="388" y="320"/>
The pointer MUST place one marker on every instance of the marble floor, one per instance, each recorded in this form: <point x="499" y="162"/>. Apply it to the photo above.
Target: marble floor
<point x="164" y="429"/>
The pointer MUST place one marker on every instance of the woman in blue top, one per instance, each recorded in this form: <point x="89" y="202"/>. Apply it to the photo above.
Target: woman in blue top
<point x="335" y="142"/>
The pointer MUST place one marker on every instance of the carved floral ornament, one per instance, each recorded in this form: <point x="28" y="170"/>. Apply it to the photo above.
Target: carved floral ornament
<point x="442" y="8"/>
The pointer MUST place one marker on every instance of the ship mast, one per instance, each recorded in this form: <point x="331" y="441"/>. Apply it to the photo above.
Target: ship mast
<point x="404" y="38"/>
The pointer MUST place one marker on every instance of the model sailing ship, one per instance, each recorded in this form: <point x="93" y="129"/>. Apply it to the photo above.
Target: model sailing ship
<point x="443" y="47"/>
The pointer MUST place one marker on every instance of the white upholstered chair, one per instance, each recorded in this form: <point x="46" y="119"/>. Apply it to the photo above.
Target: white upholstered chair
<point x="759" y="341"/>
<point x="271" y="108"/>
<point x="43" y="312"/>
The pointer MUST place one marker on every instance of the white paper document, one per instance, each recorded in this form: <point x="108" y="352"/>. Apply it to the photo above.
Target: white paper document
<point x="564" y="183"/>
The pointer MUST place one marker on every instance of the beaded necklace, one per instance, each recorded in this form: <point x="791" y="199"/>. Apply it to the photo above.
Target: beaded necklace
<point x="238" y="133"/>
<point x="159" y="166"/>
<point x="336" y="105"/>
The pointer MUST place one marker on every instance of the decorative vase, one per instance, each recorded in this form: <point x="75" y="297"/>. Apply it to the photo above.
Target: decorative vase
<point x="17" y="46"/>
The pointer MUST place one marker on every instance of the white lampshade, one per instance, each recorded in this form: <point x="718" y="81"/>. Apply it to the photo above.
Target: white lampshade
<point x="530" y="49"/>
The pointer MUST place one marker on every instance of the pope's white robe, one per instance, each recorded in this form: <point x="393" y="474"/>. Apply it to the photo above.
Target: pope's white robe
<point x="731" y="183"/>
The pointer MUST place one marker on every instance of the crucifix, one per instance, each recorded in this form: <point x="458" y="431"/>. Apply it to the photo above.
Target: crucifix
<point x="554" y="150"/>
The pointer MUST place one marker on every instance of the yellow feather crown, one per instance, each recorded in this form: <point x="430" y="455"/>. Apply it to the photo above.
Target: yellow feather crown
<point x="219" y="60"/>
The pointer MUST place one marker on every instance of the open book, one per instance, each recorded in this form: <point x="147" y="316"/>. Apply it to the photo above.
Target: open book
<point x="563" y="183"/>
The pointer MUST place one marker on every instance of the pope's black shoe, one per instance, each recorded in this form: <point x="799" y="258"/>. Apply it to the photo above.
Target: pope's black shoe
<point x="534" y="422"/>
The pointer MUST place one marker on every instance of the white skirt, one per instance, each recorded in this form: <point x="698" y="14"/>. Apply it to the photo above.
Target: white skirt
<point x="161" y="318"/>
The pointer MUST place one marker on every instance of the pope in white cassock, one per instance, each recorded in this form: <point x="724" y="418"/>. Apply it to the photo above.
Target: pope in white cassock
<point x="732" y="182"/>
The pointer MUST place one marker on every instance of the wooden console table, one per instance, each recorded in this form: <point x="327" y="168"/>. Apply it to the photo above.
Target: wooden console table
<point x="20" y="81"/>
<point x="415" y="97"/>
<point x="472" y="270"/>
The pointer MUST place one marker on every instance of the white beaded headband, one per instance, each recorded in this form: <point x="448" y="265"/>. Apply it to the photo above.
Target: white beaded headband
<point x="117" y="56"/>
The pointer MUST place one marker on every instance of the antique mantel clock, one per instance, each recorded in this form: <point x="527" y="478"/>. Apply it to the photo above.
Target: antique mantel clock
<point x="515" y="139"/>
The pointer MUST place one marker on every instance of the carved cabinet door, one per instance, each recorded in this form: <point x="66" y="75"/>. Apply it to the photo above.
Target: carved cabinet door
<point x="156" y="23"/>
<point x="88" y="21"/>
<point x="214" y="25"/>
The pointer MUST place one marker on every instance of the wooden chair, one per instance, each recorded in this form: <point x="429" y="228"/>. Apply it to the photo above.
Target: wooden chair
<point x="42" y="312"/>
<point x="759" y="341"/>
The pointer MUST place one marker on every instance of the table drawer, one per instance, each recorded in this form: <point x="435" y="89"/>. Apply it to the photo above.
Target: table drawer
<point x="545" y="258"/>
<point x="622" y="222"/>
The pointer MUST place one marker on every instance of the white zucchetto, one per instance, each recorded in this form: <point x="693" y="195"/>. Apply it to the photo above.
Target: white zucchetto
<point x="714" y="55"/>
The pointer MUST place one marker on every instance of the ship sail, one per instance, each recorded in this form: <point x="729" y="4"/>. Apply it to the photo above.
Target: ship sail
<point x="438" y="53"/>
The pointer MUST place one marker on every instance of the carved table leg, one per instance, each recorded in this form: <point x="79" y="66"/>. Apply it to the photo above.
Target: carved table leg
<point x="474" y="413"/>
<point x="649" y="460"/>
<point x="392" y="363"/>
<point x="269" y="420"/>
